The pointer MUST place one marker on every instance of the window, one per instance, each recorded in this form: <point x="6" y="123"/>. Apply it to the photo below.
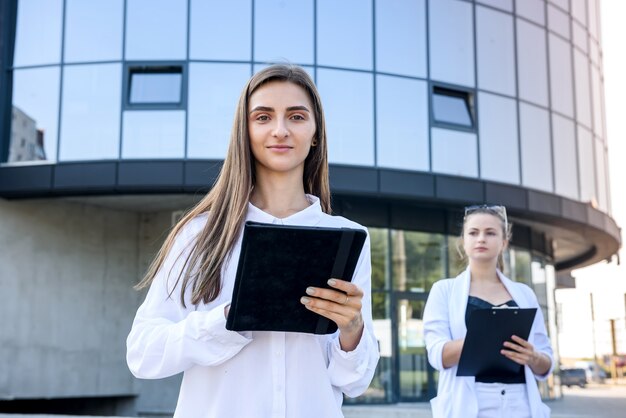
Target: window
<point x="451" y="41"/>
<point x="452" y="107"/>
<point x="155" y="87"/>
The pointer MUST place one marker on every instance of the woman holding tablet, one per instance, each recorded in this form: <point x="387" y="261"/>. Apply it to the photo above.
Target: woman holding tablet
<point x="485" y="234"/>
<point x="275" y="171"/>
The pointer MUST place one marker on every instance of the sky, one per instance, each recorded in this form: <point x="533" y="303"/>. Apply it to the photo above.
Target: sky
<point x="607" y="282"/>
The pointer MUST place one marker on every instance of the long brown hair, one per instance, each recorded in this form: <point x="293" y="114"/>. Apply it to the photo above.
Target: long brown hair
<point x="226" y="203"/>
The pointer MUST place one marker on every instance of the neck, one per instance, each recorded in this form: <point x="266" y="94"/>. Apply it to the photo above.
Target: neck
<point x="483" y="272"/>
<point x="279" y="194"/>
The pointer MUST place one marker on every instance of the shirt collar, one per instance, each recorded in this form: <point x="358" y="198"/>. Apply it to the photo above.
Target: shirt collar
<point x="311" y="215"/>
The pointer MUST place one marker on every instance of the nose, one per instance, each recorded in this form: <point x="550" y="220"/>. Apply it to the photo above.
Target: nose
<point x="280" y="130"/>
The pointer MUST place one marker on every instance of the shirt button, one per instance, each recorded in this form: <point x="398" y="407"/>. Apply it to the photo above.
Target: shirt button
<point x="503" y="392"/>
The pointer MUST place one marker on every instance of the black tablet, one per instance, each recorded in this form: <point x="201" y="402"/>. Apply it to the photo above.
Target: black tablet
<point x="276" y="265"/>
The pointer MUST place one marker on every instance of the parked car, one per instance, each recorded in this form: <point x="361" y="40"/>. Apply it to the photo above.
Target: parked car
<point x="573" y="377"/>
<point x="595" y="373"/>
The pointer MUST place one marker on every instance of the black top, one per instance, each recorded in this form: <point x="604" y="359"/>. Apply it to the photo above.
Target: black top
<point x="474" y="303"/>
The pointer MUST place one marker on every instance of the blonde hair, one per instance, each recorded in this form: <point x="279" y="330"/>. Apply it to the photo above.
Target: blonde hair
<point x="496" y="211"/>
<point x="226" y="203"/>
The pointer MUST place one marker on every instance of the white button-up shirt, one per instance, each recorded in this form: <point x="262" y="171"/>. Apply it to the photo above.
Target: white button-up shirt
<point x="249" y="374"/>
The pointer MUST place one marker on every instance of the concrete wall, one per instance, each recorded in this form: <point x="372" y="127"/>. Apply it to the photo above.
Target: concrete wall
<point x="67" y="303"/>
<point x="65" y="275"/>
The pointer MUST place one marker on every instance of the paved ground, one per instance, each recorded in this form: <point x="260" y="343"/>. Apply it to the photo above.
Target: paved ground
<point x="600" y="401"/>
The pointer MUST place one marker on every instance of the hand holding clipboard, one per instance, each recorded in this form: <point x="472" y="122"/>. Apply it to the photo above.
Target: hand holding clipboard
<point x="487" y="331"/>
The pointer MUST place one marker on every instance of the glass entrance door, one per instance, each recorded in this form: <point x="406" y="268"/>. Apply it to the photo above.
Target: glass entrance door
<point x="414" y="378"/>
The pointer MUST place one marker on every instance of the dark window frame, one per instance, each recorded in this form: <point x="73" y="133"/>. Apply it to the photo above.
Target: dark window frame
<point x="155" y="67"/>
<point x="469" y="98"/>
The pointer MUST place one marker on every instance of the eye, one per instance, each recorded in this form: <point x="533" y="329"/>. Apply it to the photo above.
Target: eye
<point x="262" y="118"/>
<point x="298" y="116"/>
<point x="472" y="233"/>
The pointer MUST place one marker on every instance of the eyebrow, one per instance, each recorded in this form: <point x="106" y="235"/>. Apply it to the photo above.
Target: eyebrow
<point x="271" y="109"/>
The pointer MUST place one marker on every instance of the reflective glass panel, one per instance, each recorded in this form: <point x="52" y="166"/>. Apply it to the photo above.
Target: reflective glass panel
<point x="214" y="91"/>
<point x="451" y="42"/>
<point x="417" y="260"/>
<point x="90" y="120"/>
<point x="580" y="36"/>
<point x="35" y="115"/>
<point x="536" y="147"/>
<point x="344" y="33"/>
<point x="93" y="23"/>
<point x="156" y="29"/>
<point x="214" y="20"/>
<point x="380" y="390"/>
<point x="520" y="266"/>
<point x="454" y="152"/>
<point x="401" y="37"/>
<point x="153" y="134"/>
<point x="594" y="52"/>
<point x="561" y="76"/>
<point x="348" y="104"/>
<point x="380" y="257"/>
<point x="563" y="4"/>
<point x="452" y="108"/>
<point x="413" y="360"/>
<point x="592" y="18"/>
<point x="586" y="165"/>
<point x="499" y="157"/>
<point x="565" y="164"/>
<point x="583" y="94"/>
<point x="532" y="63"/>
<point x="495" y="51"/>
<point x="155" y="87"/>
<point x="38" y="32"/>
<point x="558" y="21"/>
<point x="270" y="42"/>
<point x="534" y="10"/>
<point x="402" y="123"/>
<point x="506" y="5"/>
<point x="456" y="260"/>
<point x="596" y="87"/>
<point x="601" y="173"/>
<point x="579" y="10"/>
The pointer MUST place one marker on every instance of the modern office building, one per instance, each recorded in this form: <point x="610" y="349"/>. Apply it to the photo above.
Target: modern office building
<point x="115" y="116"/>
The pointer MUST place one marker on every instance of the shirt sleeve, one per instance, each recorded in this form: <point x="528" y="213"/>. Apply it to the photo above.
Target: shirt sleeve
<point x="539" y="338"/>
<point x="436" y="325"/>
<point x="353" y="371"/>
<point x="167" y="338"/>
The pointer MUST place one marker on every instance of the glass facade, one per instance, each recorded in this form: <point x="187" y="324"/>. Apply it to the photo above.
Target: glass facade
<point x="508" y="91"/>
<point x="378" y="68"/>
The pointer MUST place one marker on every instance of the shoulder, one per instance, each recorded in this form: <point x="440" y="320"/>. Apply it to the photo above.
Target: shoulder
<point x="524" y="290"/>
<point x="339" y="222"/>
<point x="190" y="231"/>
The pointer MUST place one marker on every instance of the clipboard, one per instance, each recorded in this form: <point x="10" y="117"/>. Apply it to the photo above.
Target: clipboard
<point x="276" y="265"/>
<point x="487" y="330"/>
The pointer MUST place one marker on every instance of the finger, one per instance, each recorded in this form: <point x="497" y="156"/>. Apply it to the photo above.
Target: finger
<point x="521" y="341"/>
<point x="515" y="347"/>
<point x="350" y="288"/>
<point x="327" y="305"/>
<point x="516" y="357"/>
<point x="337" y="318"/>
<point x="336" y="296"/>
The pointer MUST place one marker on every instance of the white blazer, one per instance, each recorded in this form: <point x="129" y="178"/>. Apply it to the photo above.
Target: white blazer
<point x="444" y="320"/>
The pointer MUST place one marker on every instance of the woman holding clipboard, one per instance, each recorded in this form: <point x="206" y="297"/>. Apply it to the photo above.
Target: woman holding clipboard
<point x="276" y="171"/>
<point x="485" y="235"/>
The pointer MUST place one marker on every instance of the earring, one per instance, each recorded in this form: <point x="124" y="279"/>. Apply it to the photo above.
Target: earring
<point x="314" y="142"/>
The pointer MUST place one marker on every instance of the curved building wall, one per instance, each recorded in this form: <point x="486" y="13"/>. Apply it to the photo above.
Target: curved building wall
<point x="430" y="105"/>
<point x="503" y="91"/>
